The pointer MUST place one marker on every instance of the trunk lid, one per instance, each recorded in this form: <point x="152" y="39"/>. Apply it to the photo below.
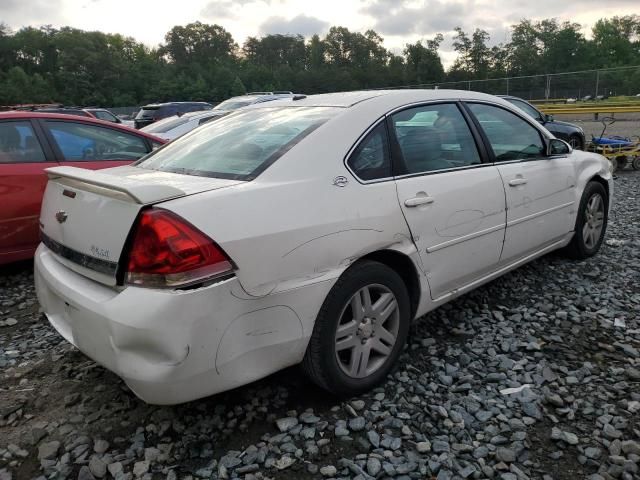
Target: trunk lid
<point x="86" y="215"/>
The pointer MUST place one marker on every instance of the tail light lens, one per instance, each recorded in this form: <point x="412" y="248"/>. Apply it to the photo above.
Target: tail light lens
<point x="167" y="251"/>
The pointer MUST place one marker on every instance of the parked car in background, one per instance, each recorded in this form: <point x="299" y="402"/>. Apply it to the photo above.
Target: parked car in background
<point x="33" y="141"/>
<point x="310" y="231"/>
<point x="108" y="116"/>
<point x="253" y="98"/>
<point x="157" y="111"/>
<point x="171" y="128"/>
<point x="570" y="133"/>
<point x="91" y="112"/>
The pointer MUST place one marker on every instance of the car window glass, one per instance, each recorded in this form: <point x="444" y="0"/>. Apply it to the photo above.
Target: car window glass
<point x="241" y="145"/>
<point x="526" y="108"/>
<point x="434" y="137"/>
<point x="18" y="143"/>
<point x="87" y="143"/>
<point x="104" y="116"/>
<point x="370" y="160"/>
<point x="511" y="137"/>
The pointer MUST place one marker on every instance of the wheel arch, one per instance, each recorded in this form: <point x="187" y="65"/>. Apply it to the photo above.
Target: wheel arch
<point x="405" y="268"/>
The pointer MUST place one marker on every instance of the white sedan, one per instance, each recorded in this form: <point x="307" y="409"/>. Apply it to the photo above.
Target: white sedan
<point x="311" y="231"/>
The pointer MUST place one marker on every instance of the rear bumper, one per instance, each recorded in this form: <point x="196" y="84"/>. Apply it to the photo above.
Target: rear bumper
<point x="172" y="346"/>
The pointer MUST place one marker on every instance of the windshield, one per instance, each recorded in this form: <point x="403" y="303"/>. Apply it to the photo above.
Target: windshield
<point x="233" y="104"/>
<point x="166" y="124"/>
<point x="241" y="145"/>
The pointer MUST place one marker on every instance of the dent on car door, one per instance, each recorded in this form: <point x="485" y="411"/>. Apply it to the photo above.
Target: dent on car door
<point x="22" y="183"/>
<point x="539" y="189"/>
<point x="94" y="147"/>
<point x="454" y="204"/>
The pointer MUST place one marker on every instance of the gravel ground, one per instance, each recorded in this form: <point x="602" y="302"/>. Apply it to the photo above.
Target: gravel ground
<point x="536" y="375"/>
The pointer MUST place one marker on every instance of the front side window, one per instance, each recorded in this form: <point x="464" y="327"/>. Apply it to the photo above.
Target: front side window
<point x="511" y="137"/>
<point x="80" y="142"/>
<point x="370" y="160"/>
<point x="18" y="143"/>
<point x="434" y="137"/>
<point x="241" y="145"/>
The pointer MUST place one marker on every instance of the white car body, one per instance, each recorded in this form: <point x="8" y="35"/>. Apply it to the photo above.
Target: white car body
<point x="175" y="126"/>
<point x="292" y="232"/>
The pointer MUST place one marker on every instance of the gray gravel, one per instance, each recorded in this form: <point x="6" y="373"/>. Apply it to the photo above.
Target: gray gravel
<point x="536" y="375"/>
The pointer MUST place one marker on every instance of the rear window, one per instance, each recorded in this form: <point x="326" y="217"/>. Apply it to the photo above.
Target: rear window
<point x="147" y="112"/>
<point x="241" y="145"/>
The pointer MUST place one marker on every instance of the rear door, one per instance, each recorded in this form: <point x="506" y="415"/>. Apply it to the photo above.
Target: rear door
<point x="539" y="188"/>
<point x="86" y="145"/>
<point x="453" y="202"/>
<point x="23" y="158"/>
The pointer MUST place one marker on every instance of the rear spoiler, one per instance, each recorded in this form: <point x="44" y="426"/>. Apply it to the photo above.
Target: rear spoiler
<point x="114" y="186"/>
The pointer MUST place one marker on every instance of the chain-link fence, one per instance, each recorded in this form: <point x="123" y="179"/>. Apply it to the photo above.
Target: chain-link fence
<point x="588" y="83"/>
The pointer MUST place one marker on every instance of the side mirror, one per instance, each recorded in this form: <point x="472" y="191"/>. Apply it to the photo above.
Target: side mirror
<point x="558" y="147"/>
<point x="548" y="118"/>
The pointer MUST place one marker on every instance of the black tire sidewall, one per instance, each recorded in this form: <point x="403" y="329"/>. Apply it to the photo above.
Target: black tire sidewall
<point x="591" y="189"/>
<point x="366" y="274"/>
<point x="578" y="141"/>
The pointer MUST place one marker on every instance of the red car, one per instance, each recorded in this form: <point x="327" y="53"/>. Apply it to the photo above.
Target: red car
<point x="31" y="142"/>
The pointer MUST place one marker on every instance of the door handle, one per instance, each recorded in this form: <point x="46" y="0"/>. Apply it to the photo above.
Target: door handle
<point x="517" y="181"/>
<point x="421" y="200"/>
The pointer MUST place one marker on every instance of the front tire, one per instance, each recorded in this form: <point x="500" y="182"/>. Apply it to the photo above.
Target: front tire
<point x="591" y="222"/>
<point x="360" y="331"/>
<point x="576" y="142"/>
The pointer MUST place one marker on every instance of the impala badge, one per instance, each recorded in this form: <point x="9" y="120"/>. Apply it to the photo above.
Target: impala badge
<point x="340" y="181"/>
<point x="61" y="216"/>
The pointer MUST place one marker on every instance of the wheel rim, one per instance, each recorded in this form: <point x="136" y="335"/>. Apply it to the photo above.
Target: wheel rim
<point x="367" y="331"/>
<point x="575" y="143"/>
<point x="593" y="221"/>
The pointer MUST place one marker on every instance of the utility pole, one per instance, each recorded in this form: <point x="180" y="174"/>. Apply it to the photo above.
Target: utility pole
<point x="597" y="83"/>
<point x="547" y="89"/>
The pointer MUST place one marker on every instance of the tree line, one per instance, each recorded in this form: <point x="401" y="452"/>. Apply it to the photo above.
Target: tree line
<point x="200" y="61"/>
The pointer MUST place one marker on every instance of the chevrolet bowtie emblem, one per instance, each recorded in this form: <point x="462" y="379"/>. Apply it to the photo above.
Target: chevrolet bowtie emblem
<point x="61" y="216"/>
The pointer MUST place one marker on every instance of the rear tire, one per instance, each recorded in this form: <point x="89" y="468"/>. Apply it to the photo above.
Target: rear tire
<point x="636" y="163"/>
<point x="360" y="330"/>
<point x="591" y="222"/>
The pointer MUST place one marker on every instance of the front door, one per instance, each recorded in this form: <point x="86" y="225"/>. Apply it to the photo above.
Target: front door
<point x="539" y="188"/>
<point x="453" y="202"/>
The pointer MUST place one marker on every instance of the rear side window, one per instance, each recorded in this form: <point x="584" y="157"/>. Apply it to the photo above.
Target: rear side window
<point x="241" y="145"/>
<point x="87" y="143"/>
<point x="434" y="137"/>
<point x="18" y="143"/>
<point x="511" y="137"/>
<point x="371" y="160"/>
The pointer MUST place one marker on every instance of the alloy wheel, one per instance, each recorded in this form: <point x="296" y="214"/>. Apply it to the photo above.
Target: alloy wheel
<point x="367" y="331"/>
<point x="593" y="221"/>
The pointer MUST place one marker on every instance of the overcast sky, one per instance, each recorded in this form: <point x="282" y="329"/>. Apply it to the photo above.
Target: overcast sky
<point x="398" y="21"/>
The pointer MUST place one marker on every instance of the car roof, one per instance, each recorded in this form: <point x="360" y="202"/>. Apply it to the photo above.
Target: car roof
<point x="404" y="96"/>
<point x="164" y="104"/>
<point x="24" y="115"/>
<point x="201" y="113"/>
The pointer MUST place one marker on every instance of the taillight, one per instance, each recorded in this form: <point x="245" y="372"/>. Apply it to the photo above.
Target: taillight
<point x="167" y="251"/>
